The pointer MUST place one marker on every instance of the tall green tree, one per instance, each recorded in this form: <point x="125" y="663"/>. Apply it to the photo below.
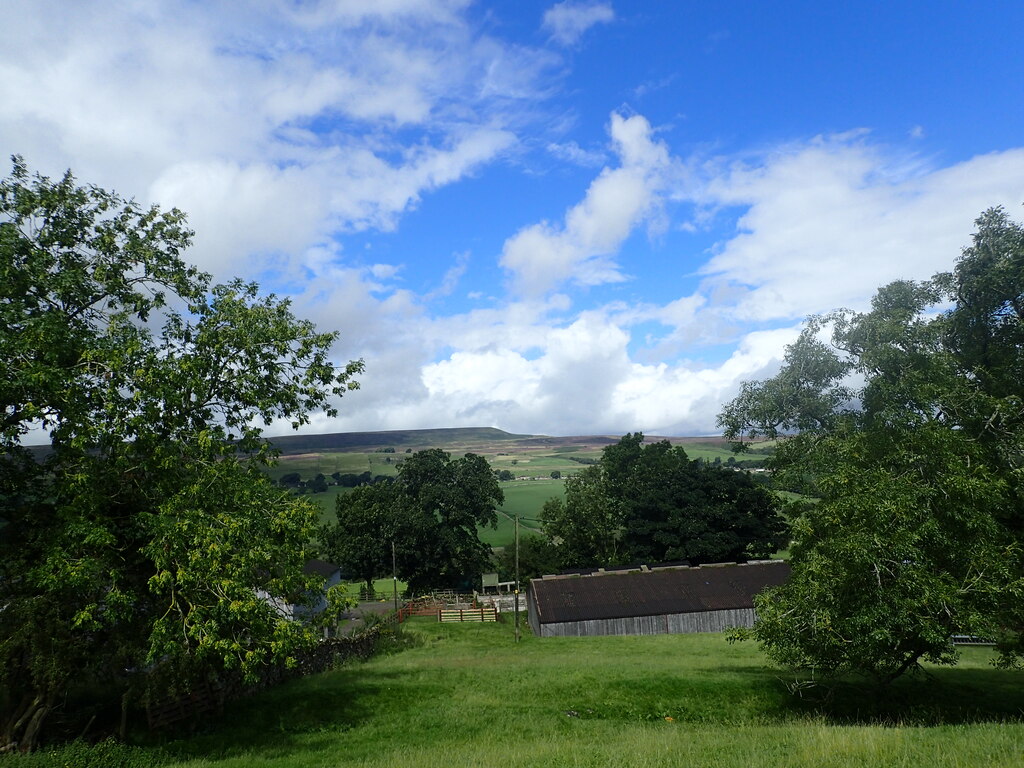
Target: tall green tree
<point x="587" y="527"/>
<point x="143" y="537"/>
<point x="431" y="512"/>
<point x="908" y="425"/>
<point x="652" y="503"/>
<point x="360" y="541"/>
<point x="444" y="501"/>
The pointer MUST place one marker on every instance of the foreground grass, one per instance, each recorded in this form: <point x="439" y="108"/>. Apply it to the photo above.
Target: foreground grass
<point x="466" y="695"/>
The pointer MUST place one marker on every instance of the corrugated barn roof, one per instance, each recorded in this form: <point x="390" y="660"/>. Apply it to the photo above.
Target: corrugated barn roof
<point x="658" y="592"/>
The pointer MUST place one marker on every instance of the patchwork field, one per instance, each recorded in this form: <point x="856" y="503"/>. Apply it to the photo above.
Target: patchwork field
<point x="467" y="695"/>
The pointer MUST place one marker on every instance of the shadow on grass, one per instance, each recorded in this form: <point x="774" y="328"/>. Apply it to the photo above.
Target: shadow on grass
<point x="274" y="722"/>
<point x="928" y="698"/>
<point x="752" y="695"/>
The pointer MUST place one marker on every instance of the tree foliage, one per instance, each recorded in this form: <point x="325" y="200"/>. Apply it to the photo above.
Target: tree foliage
<point x="907" y="422"/>
<point x="360" y="541"/>
<point x="537" y="556"/>
<point x="431" y="512"/>
<point x="139" y="541"/>
<point x="651" y="503"/>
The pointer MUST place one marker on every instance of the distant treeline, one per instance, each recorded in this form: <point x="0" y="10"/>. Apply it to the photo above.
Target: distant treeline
<point x="320" y="482"/>
<point x="732" y="461"/>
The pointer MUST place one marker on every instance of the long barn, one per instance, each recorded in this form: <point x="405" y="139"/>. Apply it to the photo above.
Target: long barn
<point x="651" y="601"/>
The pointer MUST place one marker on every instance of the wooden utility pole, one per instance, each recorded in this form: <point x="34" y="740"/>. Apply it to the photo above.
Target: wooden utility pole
<point x="517" y="577"/>
<point x="394" y="575"/>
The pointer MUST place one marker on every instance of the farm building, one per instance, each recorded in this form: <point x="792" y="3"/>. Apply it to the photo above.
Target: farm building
<point x="650" y="601"/>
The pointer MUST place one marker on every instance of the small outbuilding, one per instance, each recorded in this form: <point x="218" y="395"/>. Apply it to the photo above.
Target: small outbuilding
<point x="651" y="601"/>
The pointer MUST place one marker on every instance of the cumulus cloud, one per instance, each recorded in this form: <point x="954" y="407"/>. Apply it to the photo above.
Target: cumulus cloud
<point x="818" y="224"/>
<point x="827" y="222"/>
<point x="334" y="117"/>
<point x="567" y="21"/>
<point x="582" y="249"/>
<point x="285" y="128"/>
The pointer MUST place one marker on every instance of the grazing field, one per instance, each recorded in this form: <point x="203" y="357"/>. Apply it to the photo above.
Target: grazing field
<point x="526" y="497"/>
<point x="466" y="695"/>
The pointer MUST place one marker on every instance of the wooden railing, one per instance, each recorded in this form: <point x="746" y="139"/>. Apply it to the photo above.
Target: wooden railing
<point x="485" y="613"/>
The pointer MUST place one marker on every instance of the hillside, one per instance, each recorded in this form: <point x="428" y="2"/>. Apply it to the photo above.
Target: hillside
<point x="459" y="439"/>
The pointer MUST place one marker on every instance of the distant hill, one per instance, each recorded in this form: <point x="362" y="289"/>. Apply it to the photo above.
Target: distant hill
<point x="454" y="439"/>
<point x="478" y="439"/>
<point x="402" y="438"/>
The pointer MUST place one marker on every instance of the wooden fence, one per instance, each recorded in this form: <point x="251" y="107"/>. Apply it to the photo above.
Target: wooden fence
<point x="485" y="613"/>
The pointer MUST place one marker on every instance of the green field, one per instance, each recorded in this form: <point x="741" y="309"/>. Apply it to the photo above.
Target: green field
<point x="308" y="465"/>
<point x="466" y="695"/>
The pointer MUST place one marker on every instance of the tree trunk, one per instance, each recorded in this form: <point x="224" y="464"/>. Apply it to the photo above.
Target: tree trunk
<point x="25" y="725"/>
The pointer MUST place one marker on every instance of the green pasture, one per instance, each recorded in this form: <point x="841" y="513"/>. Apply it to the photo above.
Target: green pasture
<point x="525" y="498"/>
<point x="541" y="463"/>
<point x="309" y="464"/>
<point x="467" y="695"/>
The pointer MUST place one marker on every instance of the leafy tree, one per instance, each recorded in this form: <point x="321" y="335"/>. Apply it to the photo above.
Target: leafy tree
<point x="537" y="556"/>
<point x="318" y="484"/>
<point x="586" y="527"/>
<point x="556" y="474"/>
<point x="677" y="509"/>
<point x="443" y="501"/>
<point x="431" y="511"/>
<point x="504" y="475"/>
<point x="141" y="540"/>
<point x="908" y="425"/>
<point x="291" y="480"/>
<point x="360" y="541"/>
<point x="651" y="503"/>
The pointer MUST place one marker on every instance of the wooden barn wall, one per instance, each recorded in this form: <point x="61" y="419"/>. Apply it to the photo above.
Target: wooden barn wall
<point x="673" y="624"/>
<point x="531" y="613"/>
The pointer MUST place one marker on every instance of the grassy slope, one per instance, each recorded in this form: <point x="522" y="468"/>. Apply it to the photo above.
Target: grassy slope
<point x="467" y="696"/>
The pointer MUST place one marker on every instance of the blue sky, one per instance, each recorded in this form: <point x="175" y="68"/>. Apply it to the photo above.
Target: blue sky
<point x="560" y="218"/>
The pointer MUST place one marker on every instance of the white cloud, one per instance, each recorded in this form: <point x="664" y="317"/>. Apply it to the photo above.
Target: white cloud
<point x="451" y="277"/>
<point x="821" y="224"/>
<point x="828" y="222"/>
<point x="543" y="256"/>
<point x="274" y="128"/>
<point x="567" y="21"/>
<point x="572" y="152"/>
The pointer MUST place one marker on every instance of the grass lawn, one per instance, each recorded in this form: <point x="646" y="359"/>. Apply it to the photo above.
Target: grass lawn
<point x="466" y="695"/>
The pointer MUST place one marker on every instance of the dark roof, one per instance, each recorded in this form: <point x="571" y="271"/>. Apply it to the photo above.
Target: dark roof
<point x="657" y="592"/>
<point x="594" y="569"/>
<point x="319" y="568"/>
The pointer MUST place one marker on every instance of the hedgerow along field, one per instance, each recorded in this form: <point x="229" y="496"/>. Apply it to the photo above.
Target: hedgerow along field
<point x="467" y="695"/>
